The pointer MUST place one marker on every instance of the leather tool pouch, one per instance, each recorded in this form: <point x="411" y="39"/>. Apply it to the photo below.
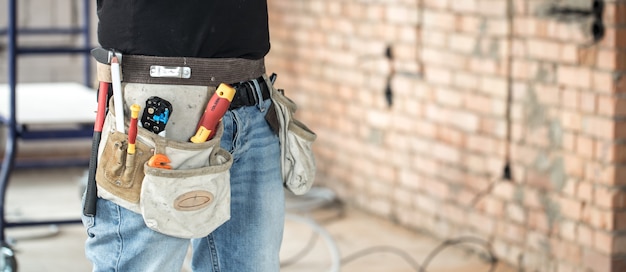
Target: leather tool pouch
<point x="191" y="199"/>
<point x="296" y="139"/>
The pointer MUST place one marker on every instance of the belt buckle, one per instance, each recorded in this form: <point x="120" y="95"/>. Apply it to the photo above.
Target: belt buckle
<point x="170" y="71"/>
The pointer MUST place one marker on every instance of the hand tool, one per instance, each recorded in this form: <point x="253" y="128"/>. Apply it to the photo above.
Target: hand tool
<point x="132" y="128"/>
<point x="159" y="161"/>
<point x="156" y="114"/>
<point x="103" y="56"/>
<point x="117" y="94"/>
<point x="91" y="195"/>
<point x="213" y="113"/>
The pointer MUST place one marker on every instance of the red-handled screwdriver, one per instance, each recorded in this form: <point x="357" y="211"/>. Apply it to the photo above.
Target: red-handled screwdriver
<point x="213" y="113"/>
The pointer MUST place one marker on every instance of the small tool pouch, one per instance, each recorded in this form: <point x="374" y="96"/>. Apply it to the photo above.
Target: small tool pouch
<point x="190" y="200"/>
<point x="188" y="203"/>
<point x="296" y="139"/>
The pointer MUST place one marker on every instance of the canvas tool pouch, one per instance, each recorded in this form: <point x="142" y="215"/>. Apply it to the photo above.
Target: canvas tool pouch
<point x="296" y="139"/>
<point x="191" y="199"/>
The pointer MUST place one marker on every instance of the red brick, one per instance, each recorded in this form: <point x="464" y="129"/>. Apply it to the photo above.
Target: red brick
<point x="602" y="82"/>
<point x="568" y="141"/>
<point x="547" y="94"/>
<point x="461" y="43"/>
<point x="574" y="166"/>
<point x="438" y="75"/>
<point x="521" y="69"/>
<point x="538" y="220"/>
<point x="493" y="127"/>
<point x="544" y="50"/>
<point x="601" y="219"/>
<point x="570" y="98"/>
<point x="607" y="59"/>
<point x="465" y="80"/>
<point x="436" y="4"/>
<point x="467" y="7"/>
<point x="504" y="190"/>
<point x="608" y="40"/>
<point x="585" y="146"/>
<point x="511" y="232"/>
<point x="429" y="205"/>
<point x="570" y="208"/>
<point x="516" y="213"/>
<point x="596" y="261"/>
<point x="609" y="198"/>
<point x="451" y="136"/>
<point x="482" y="224"/>
<point x="436" y="189"/>
<point x="603" y="128"/>
<point x="574" y="76"/>
<point x="603" y="242"/>
<point x="566" y="250"/>
<point x="619" y="83"/>
<point x="438" y="20"/>
<point x="587" y="56"/>
<point x="567" y="230"/>
<point x="620" y="37"/>
<point x="613" y="13"/>
<point x="587" y="102"/>
<point x="585" y="235"/>
<point x="585" y="191"/>
<point x="620" y="221"/>
<point x="493" y="8"/>
<point x="619" y="244"/>
<point x="465" y="120"/>
<point x="494" y="206"/>
<point x="607" y="105"/>
<point x="486" y="66"/>
<point x="538" y="180"/>
<point x="610" y="152"/>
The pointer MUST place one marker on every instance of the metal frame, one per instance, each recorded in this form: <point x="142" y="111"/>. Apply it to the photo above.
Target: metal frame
<point x="14" y="130"/>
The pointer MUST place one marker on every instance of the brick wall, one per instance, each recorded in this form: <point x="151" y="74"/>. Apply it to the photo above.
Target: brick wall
<point x="476" y="85"/>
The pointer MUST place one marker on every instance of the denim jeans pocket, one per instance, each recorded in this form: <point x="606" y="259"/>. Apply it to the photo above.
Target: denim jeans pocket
<point x="187" y="203"/>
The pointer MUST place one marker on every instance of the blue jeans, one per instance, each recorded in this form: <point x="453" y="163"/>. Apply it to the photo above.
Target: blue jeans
<point x="118" y="239"/>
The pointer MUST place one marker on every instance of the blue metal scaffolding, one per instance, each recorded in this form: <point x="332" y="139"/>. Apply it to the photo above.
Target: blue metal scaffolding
<point x="14" y="130"/>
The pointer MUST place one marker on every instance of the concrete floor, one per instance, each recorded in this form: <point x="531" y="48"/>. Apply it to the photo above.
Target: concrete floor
<point x="363" y="242"/>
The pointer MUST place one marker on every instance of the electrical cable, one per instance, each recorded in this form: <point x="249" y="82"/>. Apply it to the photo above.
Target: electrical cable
<point x="378" y="249"/>
<point x="467" y="239"/>
<point x="330" y="242"/>
<point x="322" y="197"/>
<point x="305" y="250"/>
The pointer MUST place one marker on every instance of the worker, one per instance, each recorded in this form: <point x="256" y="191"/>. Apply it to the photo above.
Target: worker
<point x="205" y="30"/>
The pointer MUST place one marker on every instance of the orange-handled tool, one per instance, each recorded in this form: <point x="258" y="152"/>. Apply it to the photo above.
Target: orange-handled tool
<point x="159" y="161"/>
<point x="213" y="113"/>
<point x="132" y="128"/>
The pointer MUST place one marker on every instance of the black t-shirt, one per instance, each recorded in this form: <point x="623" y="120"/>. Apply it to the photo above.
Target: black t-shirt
<point x="185" y="28"/>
